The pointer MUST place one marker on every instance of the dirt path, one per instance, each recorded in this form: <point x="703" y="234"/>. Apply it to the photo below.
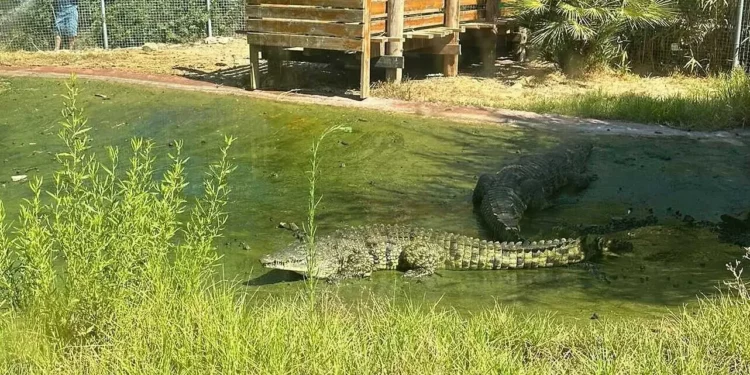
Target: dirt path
<point x="453" y="113"/>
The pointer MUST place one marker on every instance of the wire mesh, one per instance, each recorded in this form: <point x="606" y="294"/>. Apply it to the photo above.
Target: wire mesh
<point x="30" y="24"/>
<point x="700" y="41"/>
<point x="743" y="52"/>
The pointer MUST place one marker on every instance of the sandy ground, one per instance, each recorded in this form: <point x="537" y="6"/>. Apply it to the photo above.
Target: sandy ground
<point x="512" y="85"/>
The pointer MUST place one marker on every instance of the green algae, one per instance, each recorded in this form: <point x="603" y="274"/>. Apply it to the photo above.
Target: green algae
<point x="403" y="169"/>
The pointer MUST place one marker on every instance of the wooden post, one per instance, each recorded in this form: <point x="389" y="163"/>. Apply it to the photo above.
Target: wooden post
<point x="364" y="75"/>
<point x="452" y="13"/>
<point x="275" y="58"/>
<point x="491" y="11"/>
<point x="395" y="25"/>
<point x="488" y="44"/>
<point x="488" y="47"/>
<point x="254" y="79"/>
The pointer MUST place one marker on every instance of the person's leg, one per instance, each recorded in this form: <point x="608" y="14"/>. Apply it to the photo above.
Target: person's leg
<point x="58" y="41"/>
<point x="73" y="26"/>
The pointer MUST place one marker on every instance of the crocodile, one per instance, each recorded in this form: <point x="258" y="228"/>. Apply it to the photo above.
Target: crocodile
<point x="358" y="251"/>
<point x="503" y="197"/>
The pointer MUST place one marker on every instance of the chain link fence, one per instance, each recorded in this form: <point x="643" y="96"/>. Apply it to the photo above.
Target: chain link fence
<point x="30" y="24"/>
<point x="703" y="39"/>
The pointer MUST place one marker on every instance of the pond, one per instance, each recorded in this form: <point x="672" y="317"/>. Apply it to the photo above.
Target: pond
<point x="410" y="170"/>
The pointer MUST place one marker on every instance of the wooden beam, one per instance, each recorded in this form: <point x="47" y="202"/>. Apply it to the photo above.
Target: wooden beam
<point x="364" y="74"/>
<point x="452" y="14"/>
<point x="472" y="15"/>
<point x="305" y="41"/>
<point x="410" y="7"/>
<point x="352" y="4"/>
<point x="254" y="78"/>
<point x="377" y="49"/>
<point x="303" y="13"/>
<point x="340" y="30"/>
<point x="389" y="62"/>
<point x="395" y="23"/>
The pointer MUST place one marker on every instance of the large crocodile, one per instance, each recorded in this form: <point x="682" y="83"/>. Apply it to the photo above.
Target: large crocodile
<point x="504" y="196"/>
<point x="358" y="251"/>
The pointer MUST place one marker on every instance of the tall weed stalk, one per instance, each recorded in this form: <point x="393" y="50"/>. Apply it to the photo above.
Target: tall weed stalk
<point x="313" y="200"/>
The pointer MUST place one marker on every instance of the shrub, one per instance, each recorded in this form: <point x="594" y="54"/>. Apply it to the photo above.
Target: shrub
<point x="580" y="34"/>
<point x="109" y="238"/>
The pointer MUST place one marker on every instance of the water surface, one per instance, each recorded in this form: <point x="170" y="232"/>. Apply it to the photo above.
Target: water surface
<point x="409" y="170"/>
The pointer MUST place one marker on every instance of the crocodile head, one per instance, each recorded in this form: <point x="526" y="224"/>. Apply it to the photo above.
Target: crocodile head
<point x="579" y="152"/>
<point x="295" y="258"/>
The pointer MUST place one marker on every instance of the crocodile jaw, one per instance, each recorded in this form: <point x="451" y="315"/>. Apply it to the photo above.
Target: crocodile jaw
<point x="294" y="262"/>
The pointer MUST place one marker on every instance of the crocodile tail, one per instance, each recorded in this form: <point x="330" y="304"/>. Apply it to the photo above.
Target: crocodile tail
<point x="501" y="209"/>
<point x="484" y="183"/>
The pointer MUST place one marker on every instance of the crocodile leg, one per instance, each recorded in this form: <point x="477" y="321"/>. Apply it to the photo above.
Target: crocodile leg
<point x="420" y="258"/>
<point x="581" y="181"/>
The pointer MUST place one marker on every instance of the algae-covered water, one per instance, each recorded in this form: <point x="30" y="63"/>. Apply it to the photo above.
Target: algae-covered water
<point x="410" y="170"/>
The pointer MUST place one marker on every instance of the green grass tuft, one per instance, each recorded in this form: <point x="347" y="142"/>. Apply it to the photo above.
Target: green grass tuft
<point x="725" y="104"/>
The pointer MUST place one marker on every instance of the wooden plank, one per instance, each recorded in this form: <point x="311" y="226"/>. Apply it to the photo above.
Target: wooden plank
<point x="340" y="30"/>
<point x="419" y="35"/>
<point x="301" y="13"/>
<point x="304" y="41"/>
<point x="472" y="15"/>
<point x="389" y="62"/>
<point x="364" y="73"/>
<point x="352" y="4"/>
<point x="424" y="21"/>
<point x="447" y="50"/>
<point x="417" y="22"/>
<point x="254" y="78"/>
<point x="410" y="7"/>
<point x="452" y="20"/>
<point x="478" y="3"/>
<point x="384" y="39"/>
<point x="377" y="49"/>
<point x="395" y="30"/>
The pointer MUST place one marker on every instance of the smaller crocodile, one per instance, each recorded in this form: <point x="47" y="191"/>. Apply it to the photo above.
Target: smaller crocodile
<point x="359" y="251"/>
<point x="503" y="197"/>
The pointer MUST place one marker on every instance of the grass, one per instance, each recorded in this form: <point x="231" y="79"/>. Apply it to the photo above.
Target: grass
<point x="714" y="103"/>
<point x="215" y="332"/>
<point x="137" y="295"/>
<point x="723" y="105"/>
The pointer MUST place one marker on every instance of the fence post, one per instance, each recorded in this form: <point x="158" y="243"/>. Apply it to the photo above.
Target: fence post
<point x="210" y="28"/>
<point x="738" y="33"/>
<point x="105" y="35"/>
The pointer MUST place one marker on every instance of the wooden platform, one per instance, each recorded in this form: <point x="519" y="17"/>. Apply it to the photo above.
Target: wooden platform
<point x="371" y="29"/>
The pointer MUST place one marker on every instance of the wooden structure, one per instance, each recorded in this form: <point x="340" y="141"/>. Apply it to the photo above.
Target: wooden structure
<point x="373" y="32"/>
